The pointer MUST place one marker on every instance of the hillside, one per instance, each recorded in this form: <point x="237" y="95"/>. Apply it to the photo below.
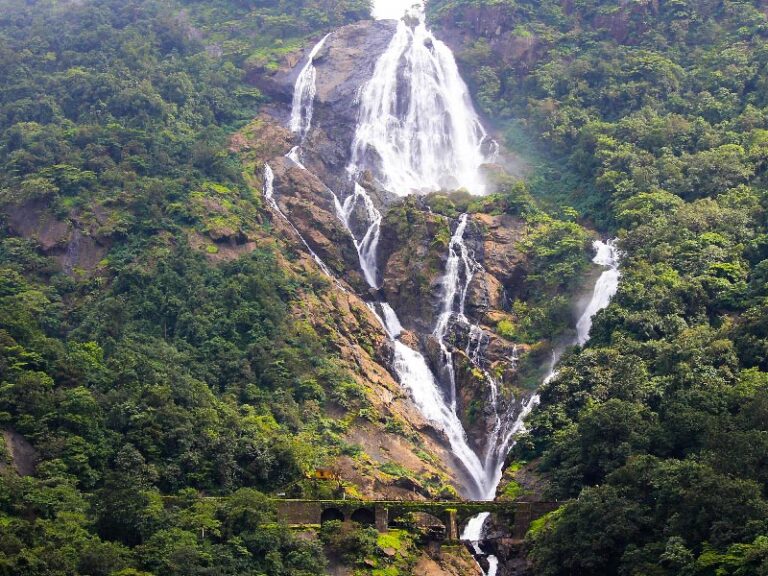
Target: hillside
<point x="166" y="334"/>
<point x="216" y="284"/>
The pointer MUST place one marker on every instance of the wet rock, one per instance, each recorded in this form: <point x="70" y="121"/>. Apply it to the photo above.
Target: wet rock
<point x="309" y="205"/>
<point x="344" y="64"/>
<point x="502" y="257"/>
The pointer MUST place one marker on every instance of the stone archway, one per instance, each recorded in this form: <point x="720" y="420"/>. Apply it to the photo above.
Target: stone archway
<point x="364" y="516"/>
<point x="330" y="514"/>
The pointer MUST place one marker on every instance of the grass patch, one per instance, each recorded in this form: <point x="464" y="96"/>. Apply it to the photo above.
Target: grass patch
<point x="391" y="539"/>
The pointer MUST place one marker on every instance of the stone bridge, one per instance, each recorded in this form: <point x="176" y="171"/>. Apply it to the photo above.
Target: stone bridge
<point x="382" y="513"/>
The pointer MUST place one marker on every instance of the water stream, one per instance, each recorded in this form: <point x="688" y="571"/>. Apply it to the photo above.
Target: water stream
<point x="269" y="194"/>
<point x="304" y="94"/>
<point x="418" y="132"/>
<point x="607" y="256"/>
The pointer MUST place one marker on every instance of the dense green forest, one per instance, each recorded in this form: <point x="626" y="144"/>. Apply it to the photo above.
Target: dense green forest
<point x="658" y="429"/>
<point x="150" y="372"/>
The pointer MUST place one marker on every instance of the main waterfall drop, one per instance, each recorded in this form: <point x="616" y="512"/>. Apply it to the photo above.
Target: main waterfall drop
<point x="418" y="131"/>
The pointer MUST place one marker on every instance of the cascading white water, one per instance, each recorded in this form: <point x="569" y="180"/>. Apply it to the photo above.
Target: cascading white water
<point x="394" y="9"/>
<point x="457" y="267"/>
<point x="367" y="246"/>
<point x="304" y="94"/>
<point x="605" y="288"/>
<point x="416" y="377"/>
<point x="418" y="130"/>
<point x="607" y="255"/>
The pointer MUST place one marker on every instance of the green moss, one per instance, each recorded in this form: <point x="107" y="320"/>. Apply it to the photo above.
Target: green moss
<point x="506" y="329"/>
<point x="512" y="491"/>
<point x="425" y="456"/>
<point x="393" y="469"/>
<point x="388" y="571"/>
<point x="391" y="539"/>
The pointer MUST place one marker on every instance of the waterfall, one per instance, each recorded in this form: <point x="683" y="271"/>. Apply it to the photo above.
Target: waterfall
<point x="418" y="130"/>
<point x="304" y="94"/>
<point x="302" y="110"/>
<point x="605" y="288"/>
<point x="393" y="9"/>
<point x="458" y="276"/>
<point x="416" y="377"/>
<point x="367" y="246"/>
<point x="607" y="256"/>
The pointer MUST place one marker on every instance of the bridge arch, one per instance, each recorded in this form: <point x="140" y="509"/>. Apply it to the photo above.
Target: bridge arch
<point x="364" y="516"/>
<point x="330" y="514"/>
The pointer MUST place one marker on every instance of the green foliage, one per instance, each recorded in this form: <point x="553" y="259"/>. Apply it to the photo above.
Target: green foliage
<point x="156" y="373"/>
<point x="349" y="541"/>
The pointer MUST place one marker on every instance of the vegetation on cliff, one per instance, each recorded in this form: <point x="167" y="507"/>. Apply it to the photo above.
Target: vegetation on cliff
<point x="133" y="366"/>
<point x="658" y="427"/>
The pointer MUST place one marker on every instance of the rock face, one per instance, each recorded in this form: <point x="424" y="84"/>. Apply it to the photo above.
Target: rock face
<point x="344" y="64"/>
<point x="78" y="246"/>
<point x="309" y="205"/>
<point x="412" y="253"/>
<point x="18" y="453"/>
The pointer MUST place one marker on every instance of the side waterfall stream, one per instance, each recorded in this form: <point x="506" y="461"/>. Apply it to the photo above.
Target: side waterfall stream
<point x="418" y="132"/>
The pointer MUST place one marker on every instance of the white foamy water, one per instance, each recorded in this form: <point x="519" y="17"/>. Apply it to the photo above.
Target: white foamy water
<point x="605" y="288"/>
<point x="607" y="255"/>
<point x="393" y="9"/>
<point x="417" y="130"/>
<point x="304" y="94"/>
<point x="455" y="282"/>
<point x="416" y="377"/>
<point x="369" y="243"/>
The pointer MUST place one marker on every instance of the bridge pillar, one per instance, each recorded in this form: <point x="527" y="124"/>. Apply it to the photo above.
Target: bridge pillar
<point x="451" y="525"/>
<point x="382" y="518"/>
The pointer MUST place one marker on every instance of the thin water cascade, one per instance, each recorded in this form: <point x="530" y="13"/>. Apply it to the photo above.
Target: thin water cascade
<point x="418" y="130"/>
<point x="304" y="94"/>
<point x="302" y="111"/>
<point x="367" y="246"/>
<point x="269" y="194"/>
<point x="605" y="288"/>
<point x="608" y="256"/>
<point x="459" y="271"/>
<point x="416" y="377"/>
